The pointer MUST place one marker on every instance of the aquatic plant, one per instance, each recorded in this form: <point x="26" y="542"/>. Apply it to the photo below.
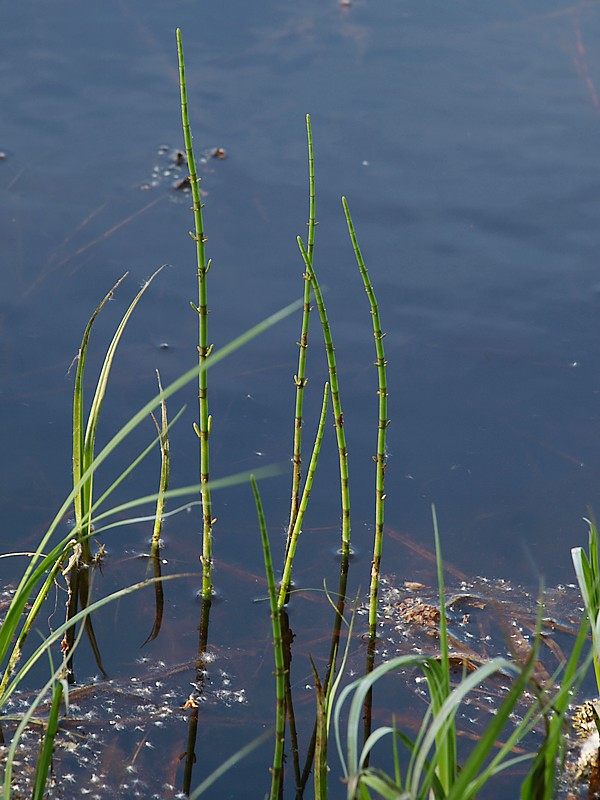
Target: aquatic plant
<point x="382" y="425"/>
<point x="427" y="766"/>
<point x="203" y="266"/>
<point x="300" y="378"/>
<point x="335" y="397"/>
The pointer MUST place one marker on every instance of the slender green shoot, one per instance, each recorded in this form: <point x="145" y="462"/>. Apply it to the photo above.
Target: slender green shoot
<point x="204" y="349"/>
<point x="300" y="379"/>
<point x="277" y="768"/>
<point x="335" y="400"/>
<point x="165" y="468"/>
<point x="382" y="426"/>
<point x="297" y="530"/>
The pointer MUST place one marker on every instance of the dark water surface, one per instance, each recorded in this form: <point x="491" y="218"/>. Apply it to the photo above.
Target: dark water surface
<point x="465" y="136"/>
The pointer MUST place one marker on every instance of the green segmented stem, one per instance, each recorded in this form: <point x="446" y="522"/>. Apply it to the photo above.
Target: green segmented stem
<point x="293" y="539"/>
<point x="163" y="487"/>
<point x="203" y="266"/>
<point x="335" y="400"/>
<point x="277" y="768"/>
<point x="382" y="426"/>
<point x="300" y="378"/>
<point x="165" y="469"/>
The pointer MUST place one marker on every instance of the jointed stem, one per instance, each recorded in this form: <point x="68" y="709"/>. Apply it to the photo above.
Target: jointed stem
<point x="335" y="400"/>
<point x="297" y="529"/>
<point x="203" y="266"/>
<point x="300" y="379"/>
<point x="380" y="458"/>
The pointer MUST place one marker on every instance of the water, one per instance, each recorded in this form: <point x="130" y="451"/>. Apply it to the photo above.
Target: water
<point x="464" y="137"/>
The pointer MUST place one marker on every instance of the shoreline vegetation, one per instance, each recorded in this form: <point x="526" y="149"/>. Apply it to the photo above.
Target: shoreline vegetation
<point x="525" y="732"/>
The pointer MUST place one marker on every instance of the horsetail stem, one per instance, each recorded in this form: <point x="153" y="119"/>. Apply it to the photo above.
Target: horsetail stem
<point x="335" y="400"/>
<point x="203" y="266"/>
<point x="300" y="379"/>
<point x="165" y="470"/>
<point x="382" y="426"/>
<point x="297" y="530"/>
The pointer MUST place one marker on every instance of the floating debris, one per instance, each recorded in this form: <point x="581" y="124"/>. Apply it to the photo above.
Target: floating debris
<point x="107" y="742"/>
<point x="171" y="166"/>
<point x="218" y="152"/>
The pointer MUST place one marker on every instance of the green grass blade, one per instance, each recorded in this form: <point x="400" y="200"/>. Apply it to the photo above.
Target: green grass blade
<point x="359" y="690"/>
<point x="45" y="757"/>
<point x="78" y="407"/>
<point x="444" y="717"/>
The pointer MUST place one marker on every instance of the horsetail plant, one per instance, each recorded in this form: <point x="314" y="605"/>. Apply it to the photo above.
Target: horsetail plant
<point x="335" y="400"/>
<point x="332" y="367"/>
<point x="165" y="469"/>
<point x="277" y="768"/>
<point x="300" y="378"/>
<point x="297" y="529"/>
<point x="202" y="429"/>
<point x="382" y="425"/>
